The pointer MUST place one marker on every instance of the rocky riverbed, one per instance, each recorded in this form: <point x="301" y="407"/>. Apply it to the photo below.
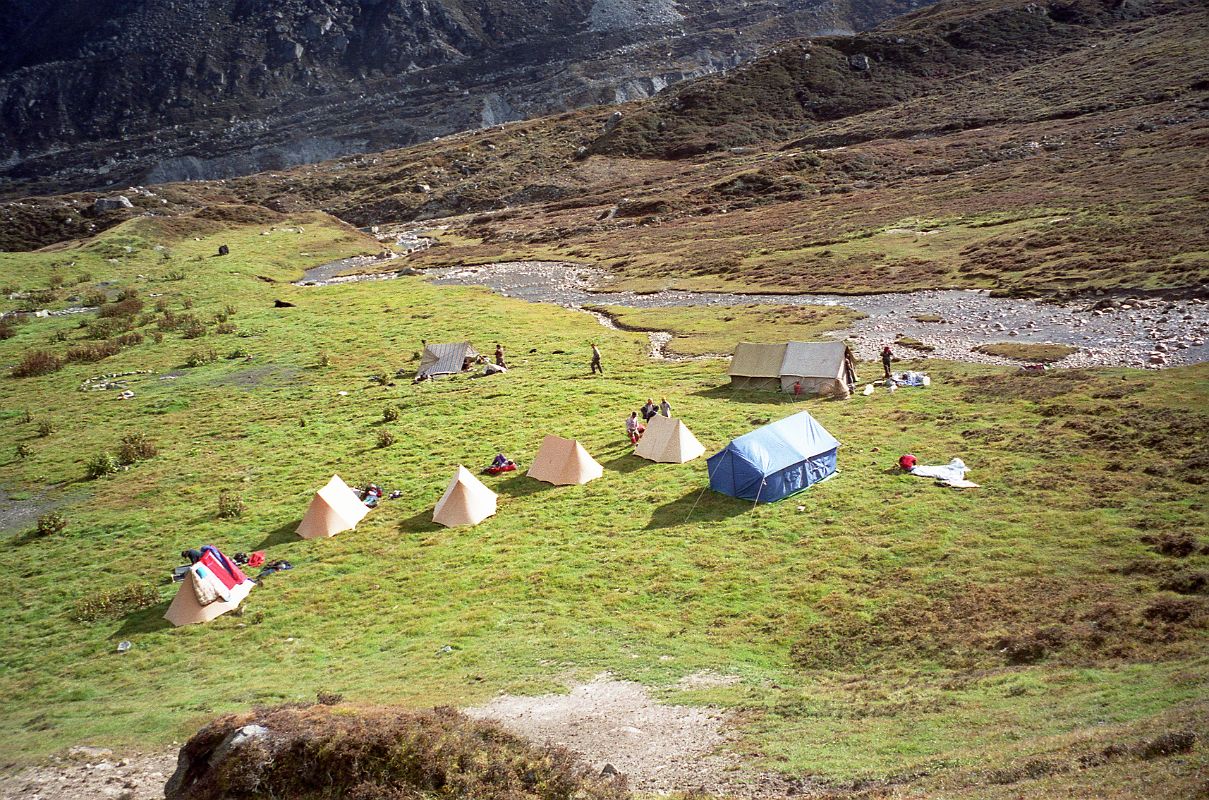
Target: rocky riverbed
<point x="1137" y="332"/>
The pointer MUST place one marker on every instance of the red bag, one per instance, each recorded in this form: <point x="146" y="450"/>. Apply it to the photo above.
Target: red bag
<point x="256" y="559"/>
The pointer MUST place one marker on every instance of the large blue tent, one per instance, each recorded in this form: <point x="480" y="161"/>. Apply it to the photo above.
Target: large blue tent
<point x="775" y="461"/>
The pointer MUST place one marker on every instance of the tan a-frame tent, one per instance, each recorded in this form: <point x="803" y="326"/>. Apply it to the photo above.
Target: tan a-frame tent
<point x="185" y="610"/>
<point x="669" y="440"/>
<point x="822" y="368"/>
<point x="563" y="461"/>
<point x="757" y="366"/>
<point x="334" y="508"/>
<point x="466" y="501"/>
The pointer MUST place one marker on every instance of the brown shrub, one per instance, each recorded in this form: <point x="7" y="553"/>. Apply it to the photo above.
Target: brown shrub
<point x="36" y="362"/>
<point x="110" y="326"/>
<point x="127" y="307"/>
<point x="1167" y="744"/>
<point x="89" y="353"/>
<point x="1029" y="770"/>
<point x="1178" y="545"/>
<point x="317" y="752"/>
<point x="128" y="339"/>
<point x="135" y="447"/>
<point x="1186" y="582"/>
<point x="116" y="603"/>
<point x="1172" y="609"/>
<point x="7" y="329"/>
<point x="1031" y="647"/>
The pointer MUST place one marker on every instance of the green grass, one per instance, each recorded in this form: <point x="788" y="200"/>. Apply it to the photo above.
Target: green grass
<point x="717" y="330"/>
<point x="863" y="626"/>
<point x="1024" y="351"/>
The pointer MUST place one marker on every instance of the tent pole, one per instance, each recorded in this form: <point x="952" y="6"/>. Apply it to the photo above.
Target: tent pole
<point x="708" y="477"/>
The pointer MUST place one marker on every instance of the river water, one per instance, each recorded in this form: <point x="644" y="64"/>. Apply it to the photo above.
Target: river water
<point x="1148" y="332"/>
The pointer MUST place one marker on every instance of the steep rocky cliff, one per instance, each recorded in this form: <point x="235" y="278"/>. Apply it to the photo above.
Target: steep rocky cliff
<point x="94" y="92"/>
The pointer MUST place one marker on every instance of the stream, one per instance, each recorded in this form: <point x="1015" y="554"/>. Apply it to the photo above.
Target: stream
<point x="1137" y="333"/>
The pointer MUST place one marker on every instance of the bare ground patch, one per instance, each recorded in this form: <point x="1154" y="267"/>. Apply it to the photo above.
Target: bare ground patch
<point x="91" y="772"/>
<point x="659" y="748"/>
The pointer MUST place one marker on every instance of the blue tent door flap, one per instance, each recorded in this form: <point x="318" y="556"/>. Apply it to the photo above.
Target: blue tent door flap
<point x="776" y="461"/>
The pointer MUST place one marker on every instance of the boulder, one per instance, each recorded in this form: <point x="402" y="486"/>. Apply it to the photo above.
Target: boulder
<point x="612" y="122"/>
<point x="860" y="62"/>
<point x="112" y="203"/>
<point x="187" y="770"/>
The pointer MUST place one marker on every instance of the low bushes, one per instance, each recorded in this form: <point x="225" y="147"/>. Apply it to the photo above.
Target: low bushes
<point x="230" y="505"/>
<point x="135" y="447"/>
<point x="385" y="438"/>
<point x="201" y="356"/>
<point x="90" y="353"/>
<point x="116" y="603"/>
<point x="126" y="307"/>
<point x="37" y="362"/>
<point x="102" y="464"/>
<point x="50" y="523"/>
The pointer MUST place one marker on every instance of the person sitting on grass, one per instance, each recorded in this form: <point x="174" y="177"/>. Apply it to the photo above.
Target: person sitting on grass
<point x="633" y="428"/>
<point x="371" y="495"/>
<point x="501" y="463"/>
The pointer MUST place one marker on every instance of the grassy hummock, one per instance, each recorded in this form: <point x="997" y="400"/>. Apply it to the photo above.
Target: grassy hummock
<point x="1028" y="352"/>
<point x="715" y="330"/>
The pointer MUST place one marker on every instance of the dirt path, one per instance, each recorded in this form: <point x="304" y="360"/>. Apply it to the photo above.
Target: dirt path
<point x="91" y="773"/>
<point x="659" y="748"/>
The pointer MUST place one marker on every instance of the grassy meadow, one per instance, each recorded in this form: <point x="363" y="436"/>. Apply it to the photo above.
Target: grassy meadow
<point x="882" y="627"/>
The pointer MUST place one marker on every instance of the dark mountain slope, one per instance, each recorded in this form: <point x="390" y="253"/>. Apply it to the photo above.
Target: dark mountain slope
<point x="99" y="91"/>
<point x="828" y="78"/>
<point x="1076" y="166"/>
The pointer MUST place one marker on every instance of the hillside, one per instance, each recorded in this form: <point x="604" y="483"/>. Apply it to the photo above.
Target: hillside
<point x="94" y="94"/>
<point x="1036" y="635"/>
<point x="986" y="150"/>
<point x="187" y="363"/>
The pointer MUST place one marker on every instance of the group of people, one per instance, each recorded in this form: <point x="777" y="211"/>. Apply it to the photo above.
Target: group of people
<point x="634" y="428"/>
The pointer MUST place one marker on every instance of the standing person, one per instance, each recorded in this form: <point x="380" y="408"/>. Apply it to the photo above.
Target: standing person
<point x="797" y="389"/>
<point x="596" y="367"/>
<point x="632" y="426"/>
<point x="499" y="356"/>
<point x="886" y="357"/>
<point x="649" y="410"/>
<point x="665" y="408"/>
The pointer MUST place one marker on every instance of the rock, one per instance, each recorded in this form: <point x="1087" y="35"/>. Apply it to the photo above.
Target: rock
<point x="608" y="770"/>
<point x="860" y="62"/>
<point x="423" y="188"/>
<point x="612" y="122"/>
<point x="186" y="770"/>
<point x="112" y="203"/>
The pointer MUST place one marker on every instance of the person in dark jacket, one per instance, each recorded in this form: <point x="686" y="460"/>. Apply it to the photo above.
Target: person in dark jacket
<point x="887" y="356"/>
